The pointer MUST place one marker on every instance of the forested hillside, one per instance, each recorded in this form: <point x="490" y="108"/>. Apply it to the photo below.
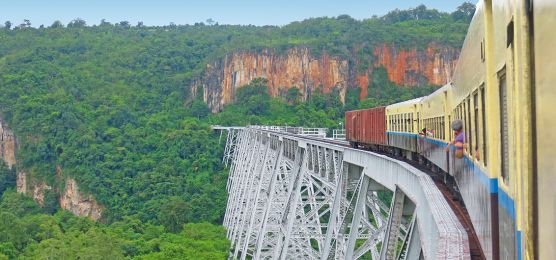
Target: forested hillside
<point x="110" y="106"/>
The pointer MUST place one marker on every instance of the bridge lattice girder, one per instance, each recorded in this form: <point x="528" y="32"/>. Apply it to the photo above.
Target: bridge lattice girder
<point x="293" y="197"/>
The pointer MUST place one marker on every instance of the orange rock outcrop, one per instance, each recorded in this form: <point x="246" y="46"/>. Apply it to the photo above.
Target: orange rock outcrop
<point x="323" y="74"/>
<point x="412" y="67"/>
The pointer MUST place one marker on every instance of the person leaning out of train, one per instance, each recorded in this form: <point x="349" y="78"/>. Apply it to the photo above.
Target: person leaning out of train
<point x="459" y="140"/>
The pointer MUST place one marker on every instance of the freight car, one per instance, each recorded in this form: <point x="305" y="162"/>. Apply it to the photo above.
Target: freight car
<point x="366" y="127"/>
<point x="502" y="90"/>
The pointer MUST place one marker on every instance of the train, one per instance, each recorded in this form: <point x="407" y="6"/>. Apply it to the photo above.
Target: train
<point x="501" y="89"/>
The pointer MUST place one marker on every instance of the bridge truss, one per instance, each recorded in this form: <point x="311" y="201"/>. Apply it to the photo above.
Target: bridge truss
<point x="297" y="197"/>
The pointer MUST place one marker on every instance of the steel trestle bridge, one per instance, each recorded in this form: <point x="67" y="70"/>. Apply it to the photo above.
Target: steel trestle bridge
<point x="295" y="195"/>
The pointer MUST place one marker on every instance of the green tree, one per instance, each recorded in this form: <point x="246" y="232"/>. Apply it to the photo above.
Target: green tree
<point x="173" y="214"/>
<point x="77" y="23"/>
<point x="57" y="24"/>
<point x="464" y="12"/>
<point x="198" y="109"/>
<point x="293" y="95"/>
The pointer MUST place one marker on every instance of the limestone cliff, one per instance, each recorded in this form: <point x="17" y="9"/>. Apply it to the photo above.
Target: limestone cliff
<point x="77" y="203"/>
<point x="7" y="145"/>
<point x="298" y="68"/>
<point x="412" y="67"/>
<point x="69" y="199"/>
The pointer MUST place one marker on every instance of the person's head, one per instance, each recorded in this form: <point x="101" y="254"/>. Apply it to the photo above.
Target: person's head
<point x="457" y="125"/>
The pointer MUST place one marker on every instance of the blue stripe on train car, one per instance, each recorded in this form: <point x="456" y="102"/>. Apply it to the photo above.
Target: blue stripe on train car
<point x="402" y="133"/>
<point x="507" y="203"/>
<point x="437" y="142"/>
<point x="518" y="238"/>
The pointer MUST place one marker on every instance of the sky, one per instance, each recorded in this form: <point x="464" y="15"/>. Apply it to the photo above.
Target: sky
<point x="163" y="12"/>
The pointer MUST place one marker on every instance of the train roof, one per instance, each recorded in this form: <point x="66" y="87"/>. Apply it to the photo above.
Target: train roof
<point x="366" y="108"/>
<point x="438" y="91"/>
<point x="405" y="103"/>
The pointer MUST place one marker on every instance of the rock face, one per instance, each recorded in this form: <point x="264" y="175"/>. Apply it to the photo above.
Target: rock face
<point x="298" y="68"/>
<point x="71" y="199"/>
<point x="78" y="204"/>
<point x="7" y="145"/>
<point x="411" y="67"/>
<point x="21" y="182"/>
<point x="38" y="192"/>
<point x="294" y="69"/>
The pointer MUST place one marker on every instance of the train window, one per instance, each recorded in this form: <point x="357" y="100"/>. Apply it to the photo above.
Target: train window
<point x="418" y="123"/>
<point x="449" y="132"/>
<point x="408" y="122"/>
<point x="393" y="127"/>
<point x="464" y="116"/>
<point x="436" y="127"/>
<point x="442" y="129"/>
<point x="483" y="119"/>
<point x="476" y="120"/>
<point x="393" y="123"/>
<point x="435" y="122"/>
<point x="390" y="122"/>
<point x="483" y="50"/>
<point x="411" y="122"/>
<point x="404" y="121"/>
<point x="510" y="34"/>
<point x="470" y="127"/>
<point x="504" y="125"/>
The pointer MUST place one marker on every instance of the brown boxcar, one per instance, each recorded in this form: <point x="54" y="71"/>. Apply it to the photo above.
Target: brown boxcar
<point x="367" y="126"/>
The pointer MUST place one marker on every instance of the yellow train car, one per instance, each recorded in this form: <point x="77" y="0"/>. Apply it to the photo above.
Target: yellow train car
<point x="502" y="89"/>
<point x="433" y="142"/>
<point x="539" y="215"/>
<point x="403" y="124"/>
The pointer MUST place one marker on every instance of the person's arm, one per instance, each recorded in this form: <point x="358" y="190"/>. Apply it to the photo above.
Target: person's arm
<point x="450" y="144"/>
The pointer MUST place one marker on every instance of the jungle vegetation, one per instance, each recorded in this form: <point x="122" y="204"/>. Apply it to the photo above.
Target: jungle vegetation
<point x="107" y="105"/>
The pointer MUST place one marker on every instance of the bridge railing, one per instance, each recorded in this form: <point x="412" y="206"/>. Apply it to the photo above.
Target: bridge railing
<point x="339" y="134"/>
<point x="312" y="131"/>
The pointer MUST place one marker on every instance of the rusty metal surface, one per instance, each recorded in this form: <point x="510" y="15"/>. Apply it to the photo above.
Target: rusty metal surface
<point x="366" y="126"/>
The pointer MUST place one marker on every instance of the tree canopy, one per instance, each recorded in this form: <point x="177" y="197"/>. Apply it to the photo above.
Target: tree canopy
<point x="110" y="106"/>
